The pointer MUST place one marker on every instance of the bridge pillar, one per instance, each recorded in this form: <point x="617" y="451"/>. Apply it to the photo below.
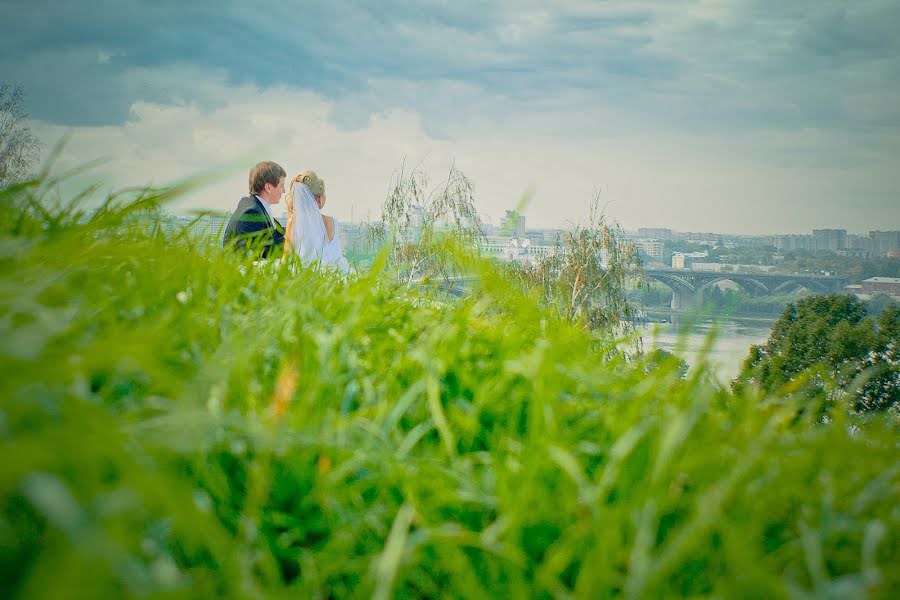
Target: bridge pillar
<point x="683" y="299"/>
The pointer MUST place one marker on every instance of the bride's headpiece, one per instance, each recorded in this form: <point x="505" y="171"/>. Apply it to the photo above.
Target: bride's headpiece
<point x="315" y="183"/>
<point x="305" y="233"/>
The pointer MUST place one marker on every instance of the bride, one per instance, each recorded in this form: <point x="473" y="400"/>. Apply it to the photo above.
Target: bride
<point x="310" y="234"/>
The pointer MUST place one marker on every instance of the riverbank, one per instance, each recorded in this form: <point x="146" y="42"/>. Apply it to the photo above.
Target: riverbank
<point x="667" y="315"/>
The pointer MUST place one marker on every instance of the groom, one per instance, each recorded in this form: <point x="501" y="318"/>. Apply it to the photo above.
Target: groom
<point x="252" y="224"/>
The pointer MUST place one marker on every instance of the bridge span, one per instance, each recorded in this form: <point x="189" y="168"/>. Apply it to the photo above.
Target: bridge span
<point x="687" y="286"/>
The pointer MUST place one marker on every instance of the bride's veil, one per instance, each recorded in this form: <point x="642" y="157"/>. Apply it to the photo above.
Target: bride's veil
<point x="308" y="235"/>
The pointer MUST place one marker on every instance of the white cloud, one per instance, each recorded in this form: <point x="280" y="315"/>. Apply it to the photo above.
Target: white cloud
<point x="759" y="182"/>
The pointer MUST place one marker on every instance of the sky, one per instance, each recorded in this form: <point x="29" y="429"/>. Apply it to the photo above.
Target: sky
<point x="748" y="116"/>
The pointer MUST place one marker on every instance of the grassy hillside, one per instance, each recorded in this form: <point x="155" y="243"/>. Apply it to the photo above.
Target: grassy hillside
<point x="178" y="423"/>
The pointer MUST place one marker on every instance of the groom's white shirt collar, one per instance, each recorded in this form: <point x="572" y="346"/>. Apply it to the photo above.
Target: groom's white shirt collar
<point x="268" y="210"/>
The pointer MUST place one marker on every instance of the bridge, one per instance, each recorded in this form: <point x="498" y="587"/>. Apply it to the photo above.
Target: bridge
<point x="687" y="286"/>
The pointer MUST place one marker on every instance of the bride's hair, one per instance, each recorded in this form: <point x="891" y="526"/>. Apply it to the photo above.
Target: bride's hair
<point x="315" y="184"/>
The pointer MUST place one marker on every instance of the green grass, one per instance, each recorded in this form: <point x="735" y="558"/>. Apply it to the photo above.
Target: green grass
<point x="171" y="427"/>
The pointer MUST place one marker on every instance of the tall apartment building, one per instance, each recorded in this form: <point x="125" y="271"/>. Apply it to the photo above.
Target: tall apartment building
<point x="830" y="239"/>
<point x="859" y="242"/>
<point x="884" y="242"/>
<point x="513" y="224"/>
<point x="789" y="242"/>
<point x="651" y="248"/>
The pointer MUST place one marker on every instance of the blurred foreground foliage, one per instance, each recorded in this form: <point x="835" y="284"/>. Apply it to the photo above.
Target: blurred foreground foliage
<point x="178" y="423"/>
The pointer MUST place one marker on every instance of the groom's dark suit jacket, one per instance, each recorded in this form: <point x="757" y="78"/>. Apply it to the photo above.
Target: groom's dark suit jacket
<point x="249" y="228"/>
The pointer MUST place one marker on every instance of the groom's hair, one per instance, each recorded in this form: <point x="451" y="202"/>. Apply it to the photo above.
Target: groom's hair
<point x="263" y="173"/>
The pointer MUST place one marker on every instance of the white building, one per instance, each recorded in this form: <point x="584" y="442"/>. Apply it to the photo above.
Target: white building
<point x="651" y="248"/>
<point x="684" y="260"/>
<point x="522" y="250"/>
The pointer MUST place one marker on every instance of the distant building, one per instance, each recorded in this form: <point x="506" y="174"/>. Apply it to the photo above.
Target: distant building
<point x="830" y="239"/>
<point x="552" y="236"/>
<point x="172" y="225"/>
<point x="516" y="250"/>
<point x="353" y="236"/>
<point x="209" y="227"/>
<point x="859" y="242"/>
<point x="685" y="260"/>
<point x="882" y="285"/>
<point x="883" y="242"/>
<point x="743" y="241"/>
<point x="543" y="237"/>
<point x="519" y="250"/>
<point x="658" y="233"/>
<point x="212" y="226"/>
<point x="680" y="261"/>
<point x="791" y="242"/>
<point x="494" y="246"/>
<point x="855" y="253"/>
<point x="707" y="267"/>
<point x="652" y="249"/>
<point x="704" y="242"/>
<point x="513" y="224"/>
<point x="706" y="239"/>
<point x="487" y="229"/>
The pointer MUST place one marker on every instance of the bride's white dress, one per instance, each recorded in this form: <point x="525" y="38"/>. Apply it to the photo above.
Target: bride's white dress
<point x="309" y="237"/>
<point x="333" y="252"/>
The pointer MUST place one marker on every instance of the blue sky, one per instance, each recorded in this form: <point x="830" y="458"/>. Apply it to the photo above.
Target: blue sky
<point x="747" y="116"/>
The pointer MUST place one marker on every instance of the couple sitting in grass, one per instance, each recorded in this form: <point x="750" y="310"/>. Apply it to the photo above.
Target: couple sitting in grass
<point x="309" y="234"/>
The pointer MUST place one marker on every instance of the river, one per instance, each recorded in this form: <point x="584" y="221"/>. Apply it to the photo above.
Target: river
<point x="686" y="337"/>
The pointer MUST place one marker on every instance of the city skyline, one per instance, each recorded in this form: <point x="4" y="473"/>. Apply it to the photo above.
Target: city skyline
<point x="517" y="226"/>
<point x="753" y="118"/>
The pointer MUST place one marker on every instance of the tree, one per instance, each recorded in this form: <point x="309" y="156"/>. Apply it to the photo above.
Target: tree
<point x="19" y="148"/>
<point x="587" y="277"/>
<point x="882" y="388"/>
<point x="835" y="335"/>
<point x="430" y="231"/>
<point x="427" y="227"/>
<point x="878" y="303"/>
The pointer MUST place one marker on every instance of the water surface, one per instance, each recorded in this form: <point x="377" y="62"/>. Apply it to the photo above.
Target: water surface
<point x="687" y="338"/>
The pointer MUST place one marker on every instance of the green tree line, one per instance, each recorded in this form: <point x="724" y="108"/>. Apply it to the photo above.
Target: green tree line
<point x="828" y="347"/>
